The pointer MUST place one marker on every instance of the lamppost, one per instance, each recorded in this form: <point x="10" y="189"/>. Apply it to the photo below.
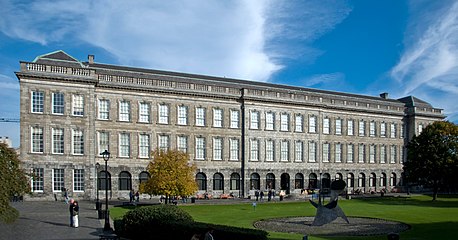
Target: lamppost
<point x="97" y="202"/>
<point x="106" y="157"/>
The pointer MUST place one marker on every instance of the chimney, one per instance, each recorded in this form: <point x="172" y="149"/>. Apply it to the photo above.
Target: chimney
<point x="384" y="95"/>
<point x="90" y="58"/>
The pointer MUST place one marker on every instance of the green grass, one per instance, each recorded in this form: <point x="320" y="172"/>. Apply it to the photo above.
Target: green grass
<point x="429" y="220"/>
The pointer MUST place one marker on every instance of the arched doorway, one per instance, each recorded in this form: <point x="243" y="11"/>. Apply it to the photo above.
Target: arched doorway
<point x="299" y="181"/>
<point x="102" y="181"/>
<point x="270" y="181"/>
<point x="326" y="182"/>
<point x="125" y="181"/>
<point x="254" y="181"/>
<point x="218" y="182"/>
<point x="235" y="181"/>
<point x="313" y="182"/>
<point x="284" y="182"/>
<point x="201" y="180"/>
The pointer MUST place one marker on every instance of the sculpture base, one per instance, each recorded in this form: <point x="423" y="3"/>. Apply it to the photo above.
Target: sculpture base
<point x="356" y="227"/>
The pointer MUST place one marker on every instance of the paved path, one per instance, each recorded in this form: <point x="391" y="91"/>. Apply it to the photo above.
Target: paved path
<point x="51" y="220"/>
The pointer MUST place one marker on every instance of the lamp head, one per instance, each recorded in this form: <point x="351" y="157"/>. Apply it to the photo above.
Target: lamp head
<point x="97" y="165"/>
<point x="105" y="155"/>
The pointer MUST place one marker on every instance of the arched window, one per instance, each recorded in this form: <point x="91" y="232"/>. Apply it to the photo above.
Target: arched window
<point x="313" y="183"/>
<point x="383" y="180"/>
<point x="393" y="180"/>
<point x="270" y="181"/>
<point x="102" y="180"/>
<point x="372" y="180"/>
<point x="143" y="177"/>
<point x="254" y="181"/>
<point x="235" y="181"/>
<point x="350" y="180"/>
<point x="218" y="181"/>
<point x="299" y="181"/>
<point x="201" y="180"/>
<point x="326" y="181"/>
<point x="125" y="181"/>
<point x="362" y="180"/>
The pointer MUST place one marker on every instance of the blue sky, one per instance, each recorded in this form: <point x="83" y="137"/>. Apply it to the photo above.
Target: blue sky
<point x="364" y="47"/>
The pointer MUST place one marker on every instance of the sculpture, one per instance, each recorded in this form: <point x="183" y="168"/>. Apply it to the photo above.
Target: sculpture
<point x="327" y="213"/>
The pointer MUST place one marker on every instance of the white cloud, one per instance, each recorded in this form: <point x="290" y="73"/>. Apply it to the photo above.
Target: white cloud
<point x="429" y="65"/>
<point x="234" y="39"/>
<point x="327" y="80"/>
<point x="7" y="83"/>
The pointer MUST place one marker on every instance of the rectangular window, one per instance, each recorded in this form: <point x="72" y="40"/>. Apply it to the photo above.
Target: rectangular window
<point x="144" y="112"/>
<point x="372" y="129"/>
<point x="38" y="180"/>
<point x="124" y="145"/>
<point x="217" y="149"/>
<point x="312" y="124"/>
<point x="361" y="153"/>
<point x="163" y="142"/>
<point x="312" y="151"/>
<point x="234" y="149"/>
<point x="144" y="146"/>
<point x="350" y="127"/>
<point x="182" y="143"/>
<point x="200" y="116"/>
<point x="326" y="126"/>
<point x="284" y="151"/>
<point x="393" y="130"/>
<point x="420" y="128"/>
<point x="393" y="154"/>
<point x="58" y="180"/>
<point x="37" y="140"/>
<point x="372" y="154"/>
<point x="350" y="153"/>
<point x="78" y="142"/>
<point x="217" y="118"/>
<point x="402" y="131"/>
<point x="38" y="102"/>
<point x="326" y="152"/>
<point x="182" y="115"/>
<point x="338" y="153"/>
<point x="58" y="140"/>
<point x="254" y="120"/>
<point x="200" y="148"/>
<point x="163" y="114"/>
<point x="382" y="129"/>
<point x="104" y="142"/>
<point x="362" y="128"/>
<point x="383" y="154"/>
<point x="78" y="105"/>
<point x="254" y="150"/>
<point x="338" y="126"/>
<point x="284" y="122"/>
<point x="270" y="121"/>
<point x="78" y="180"/>
<point x="299" y="151"/>
<point x="299" y="124"/>
<point x="234" y="119"/>
<point x="104" y="109"/>
<point x="270" y="150"/>
<point x="124" y="111"/>
<point x="58" y="103"/>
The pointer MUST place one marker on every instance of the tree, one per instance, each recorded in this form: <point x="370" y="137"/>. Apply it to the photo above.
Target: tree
<point x="432" y="158"/>
<point x="13" y="182"/>
<point x="171" y="175"/>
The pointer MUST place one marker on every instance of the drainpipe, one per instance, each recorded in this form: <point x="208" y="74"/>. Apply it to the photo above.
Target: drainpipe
<point x="242" y="126"/>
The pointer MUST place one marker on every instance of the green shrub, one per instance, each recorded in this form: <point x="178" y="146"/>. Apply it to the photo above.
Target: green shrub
<point x="171" y="222"/>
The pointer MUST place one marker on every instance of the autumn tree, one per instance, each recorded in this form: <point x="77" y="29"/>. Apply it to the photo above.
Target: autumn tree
<point x="432" y="158"/>
<point x="13" y="181"/>
<point x="172" y="174"/>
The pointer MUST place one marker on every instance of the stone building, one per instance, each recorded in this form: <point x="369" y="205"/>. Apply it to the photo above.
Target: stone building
<point x="242" y="135"/>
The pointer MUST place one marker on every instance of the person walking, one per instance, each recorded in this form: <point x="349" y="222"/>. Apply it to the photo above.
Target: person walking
<point x="209" y="234"/>
<point x="76" y="210"/>
<point x="70" y="208"/>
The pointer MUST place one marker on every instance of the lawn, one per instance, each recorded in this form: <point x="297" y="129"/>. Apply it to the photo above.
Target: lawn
<point x="429" y="220"/>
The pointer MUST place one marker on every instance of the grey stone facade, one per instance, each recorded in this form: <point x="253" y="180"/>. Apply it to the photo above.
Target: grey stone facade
<point x="385" y="125"/>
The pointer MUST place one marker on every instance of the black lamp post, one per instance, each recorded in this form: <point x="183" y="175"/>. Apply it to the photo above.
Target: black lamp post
<point x="106" y="157"/>
<point x="97" y="202"/>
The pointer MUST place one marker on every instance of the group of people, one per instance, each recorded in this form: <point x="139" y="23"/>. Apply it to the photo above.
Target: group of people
<point x="207" y="236"/>
<point x="74" y="209"/>
<point x="134" y="196"/>
<point x="260" y="195"/>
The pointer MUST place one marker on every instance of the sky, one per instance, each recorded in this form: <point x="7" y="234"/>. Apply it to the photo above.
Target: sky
<point x="363" y="46"/>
